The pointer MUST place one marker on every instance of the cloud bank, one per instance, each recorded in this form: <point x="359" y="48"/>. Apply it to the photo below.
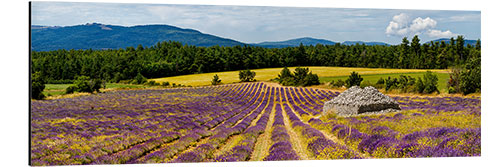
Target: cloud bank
<point x="402" y="25"/>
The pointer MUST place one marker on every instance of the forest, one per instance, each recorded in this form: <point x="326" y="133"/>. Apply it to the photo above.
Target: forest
<point x="172" y="58"/>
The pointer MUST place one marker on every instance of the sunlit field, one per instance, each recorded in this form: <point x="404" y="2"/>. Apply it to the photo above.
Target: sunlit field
<point x="267" y="74"/>
<point x="244" y="122"/>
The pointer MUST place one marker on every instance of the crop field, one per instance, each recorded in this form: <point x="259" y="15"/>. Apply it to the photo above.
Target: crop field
<point x="267" y="74"/>
<point x="59" y="89"/>
<point x="443" y="78"/>
<point x="244" y="122"/>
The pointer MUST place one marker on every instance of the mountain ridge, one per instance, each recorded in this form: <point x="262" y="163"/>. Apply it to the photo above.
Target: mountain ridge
<point x="102" y="36"/>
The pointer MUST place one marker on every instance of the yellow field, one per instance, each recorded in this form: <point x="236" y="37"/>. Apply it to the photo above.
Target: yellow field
<point x="266" y="74"/>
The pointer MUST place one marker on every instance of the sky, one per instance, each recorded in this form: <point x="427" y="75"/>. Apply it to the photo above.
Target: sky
<point x="251" y="24"/>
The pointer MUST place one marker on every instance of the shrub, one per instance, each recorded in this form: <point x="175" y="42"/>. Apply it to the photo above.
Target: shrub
<point x="454" y="81"/>
<point x="405" y="83"/>
<point x="470" y="77"/>
<point x="366" y="84"/>
<point x="300" y="77"/>
<point x="37" y="86"/>
<point x="428" y="84"/>
<point x="380" y="81"/>
<point x="165" y="83"/>
<point x="339" y="83"/>
<point x="84" y="84"/>
<point x="152" y="83"/>
<point x="215" y="80"/>
<point x="247" y="76"/>
<point x="390" y="83"/>
<point x="285" y="77"/>
<point x="353" y="80"/>
<point x="71" y="89"/>
<point x="139" y="79"/>
<point x="311" y="79"/>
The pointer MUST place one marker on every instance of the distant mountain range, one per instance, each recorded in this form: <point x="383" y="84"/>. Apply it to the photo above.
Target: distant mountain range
<point x="101" y="36"/>
<point x="295" y="42"/>
<point x="447" y="40"/>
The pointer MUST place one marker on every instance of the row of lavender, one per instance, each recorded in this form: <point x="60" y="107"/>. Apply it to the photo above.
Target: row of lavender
<point x="117" y="127"/>
<point x="427" y="127"/>
<point x="168" y="125"/>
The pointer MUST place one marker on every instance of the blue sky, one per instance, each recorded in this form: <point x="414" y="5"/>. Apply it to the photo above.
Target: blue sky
<point x="257" y="24"/>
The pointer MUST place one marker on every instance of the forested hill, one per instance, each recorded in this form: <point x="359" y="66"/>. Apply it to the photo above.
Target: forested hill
<point x="295" y="42"/>
<point x="448" y="40"/>
<point x="99" y="36"/>
<point x="173" y="58"/>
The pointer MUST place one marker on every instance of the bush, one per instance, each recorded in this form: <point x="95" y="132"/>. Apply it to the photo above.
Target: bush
<point x="165" y="84"/>
<point x="470" y="77"/>
<point x="37" y="86"/>
<point x="300" y="77"/>
<point x="454" y="81"/>
<point x="215" y="80"/>
<point x="84" y="84"/>
<point x="380" y="81"/>
<point x="339" y="83"/>
<point x="366" y="84"/>
<point x="71" y="89"/>
<point x="247" y="76"/>
<point x="405" y="83"/>
<point x="285" y="77"/>
<point x="428" y="84"/>
<point x="139" y="79"/>
<point x="390" y="83"/>
<point x="152" y="83"/>
<point x="353" y="80"/>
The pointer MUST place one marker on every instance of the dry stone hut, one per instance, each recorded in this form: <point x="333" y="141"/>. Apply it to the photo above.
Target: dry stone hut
<point x="356" y="100"/>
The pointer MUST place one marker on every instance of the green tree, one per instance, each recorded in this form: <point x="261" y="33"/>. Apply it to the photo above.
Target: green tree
<point x="428" y="84"/>
<point x="216" y="80"/>
<point x="37" y="86"/>
<point x="470" y="77"/>
<point x="139" y="79"/>
<point x="247" y="76"/>
<point x="82" y="84"/>
<point x="285" y="77"/>
<point x="415" y="47"/>
<point x="311" y="79"/>
<point x="353" y="80"/>
<point x="300" y="75"/>
<point x="404" y="51"/>
<point x="85" y="84"/>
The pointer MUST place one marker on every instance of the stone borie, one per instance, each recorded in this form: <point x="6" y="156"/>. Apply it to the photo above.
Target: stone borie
<point x="356" y="100"/>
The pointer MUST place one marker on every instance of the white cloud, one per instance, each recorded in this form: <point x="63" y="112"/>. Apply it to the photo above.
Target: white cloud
<point x="401" y="26"/>
<point x="440" y="34"/>
<point x="398" y="25"/>
<point x="420" y="25"/>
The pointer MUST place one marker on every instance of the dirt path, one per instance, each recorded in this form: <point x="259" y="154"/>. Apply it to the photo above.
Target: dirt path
<point x="296" y="140"/>
<point x="264" y="140"/>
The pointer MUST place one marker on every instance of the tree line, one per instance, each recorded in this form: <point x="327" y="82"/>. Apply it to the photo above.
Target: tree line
<point x="172" y="58"/>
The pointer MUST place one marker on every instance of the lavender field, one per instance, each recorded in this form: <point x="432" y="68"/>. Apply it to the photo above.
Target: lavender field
<point x="244" y="122"/>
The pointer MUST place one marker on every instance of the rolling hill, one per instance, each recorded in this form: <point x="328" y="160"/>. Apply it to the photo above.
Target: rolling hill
<point x="100" y="36"/>
<point x="295" y="42"/>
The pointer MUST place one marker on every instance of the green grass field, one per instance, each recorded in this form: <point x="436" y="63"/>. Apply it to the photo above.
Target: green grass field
<point x="326" y="74"/>
<point x="373" y="78"/>
<point x="267" y="74"/>
<point x="59" y="89"/>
